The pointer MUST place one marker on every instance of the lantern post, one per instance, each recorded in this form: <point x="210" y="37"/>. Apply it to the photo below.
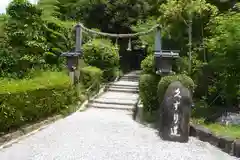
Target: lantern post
<point x="163" y="58"/>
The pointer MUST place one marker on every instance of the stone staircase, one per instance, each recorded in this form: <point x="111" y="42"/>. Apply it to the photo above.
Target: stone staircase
<point x="122" y="94"/>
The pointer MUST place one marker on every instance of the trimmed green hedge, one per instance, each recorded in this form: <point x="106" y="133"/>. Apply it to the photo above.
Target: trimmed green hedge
<point x="148" y="64"/>
<point x="29" y="100"/>
<point x="91" y="76"/>
<point x="167" y="80"/>
<point x="148" y="91"/>
<point x="103" y="54"/>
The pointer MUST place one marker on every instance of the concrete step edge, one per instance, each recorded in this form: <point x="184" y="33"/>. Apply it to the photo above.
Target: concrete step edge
<point x="127" y="88"/>
<point x="134" y="77"/>
<point x="122" y="88"/>
<point x="115" y="108"/>
<point x="126" y="91"/>
<point x="119" y="85"/>
<point x="113" y="103"/>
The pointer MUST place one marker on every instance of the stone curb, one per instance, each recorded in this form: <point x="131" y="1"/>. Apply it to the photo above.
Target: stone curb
<point x="28" y="130"/>
<point x="226" y="144"/>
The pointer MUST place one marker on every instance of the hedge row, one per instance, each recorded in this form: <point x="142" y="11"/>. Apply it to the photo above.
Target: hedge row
<point x="148" y="64"/>
<point x="148" y="91"/>
<point x="29" y="100"/>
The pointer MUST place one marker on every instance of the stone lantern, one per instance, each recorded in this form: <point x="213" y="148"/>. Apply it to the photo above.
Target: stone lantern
<point x="163" y="58"/>
<point x="74" y="55"/>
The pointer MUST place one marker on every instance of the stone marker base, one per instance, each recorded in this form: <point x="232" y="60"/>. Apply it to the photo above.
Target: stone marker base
<point x="168" y="137"/>
<point x="138" y="116"/>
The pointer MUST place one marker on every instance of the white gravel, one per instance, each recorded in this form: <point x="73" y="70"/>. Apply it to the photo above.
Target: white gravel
<point x="99" y="134"/>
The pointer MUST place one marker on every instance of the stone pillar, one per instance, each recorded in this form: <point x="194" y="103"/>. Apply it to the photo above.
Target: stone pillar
<point x="78" y="51"/>
<point x="78" y="38"/>
<point x="176" y="110"/>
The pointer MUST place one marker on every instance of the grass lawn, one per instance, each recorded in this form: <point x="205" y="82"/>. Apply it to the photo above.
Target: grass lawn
<point x="230" y="131"/>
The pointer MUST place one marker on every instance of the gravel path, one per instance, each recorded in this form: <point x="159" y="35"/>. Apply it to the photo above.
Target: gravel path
<point x="99" y="134"/>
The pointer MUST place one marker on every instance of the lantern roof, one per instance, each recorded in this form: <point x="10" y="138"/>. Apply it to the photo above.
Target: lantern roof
<point x="167" y="53"/>
<point x="71" y="54"/>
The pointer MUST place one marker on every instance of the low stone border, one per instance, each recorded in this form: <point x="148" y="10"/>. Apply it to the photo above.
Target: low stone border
<point x="28" y="130"/>
<point x="226" y="144"/>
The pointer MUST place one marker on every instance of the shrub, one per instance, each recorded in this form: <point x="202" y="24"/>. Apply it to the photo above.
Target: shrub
<point x="167" y="80"/>
<point x="102" y="53"/>
<point x="111" y="73"/>
<point x="91" y="77"/>
<point x="148" y="91"/>
<point x="29" y="100"/>
<point x="148" y="64"/>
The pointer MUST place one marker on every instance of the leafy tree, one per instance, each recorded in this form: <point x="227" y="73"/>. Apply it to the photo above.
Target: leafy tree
<point x="182" y="14"/>
<point x="3" y="18"/>
<point x="110" y="16"/>
<point x="25" y="35"/>
<point x="224" y="46"/>
<point x="33" y="41"/>
<point x="59" y="34"/>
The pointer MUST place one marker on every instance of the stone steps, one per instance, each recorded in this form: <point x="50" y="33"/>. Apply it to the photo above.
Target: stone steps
<point x="122" y="86"/>
<point x="114" y="101"/>
<point x="128" y="88"/>
<point x="120" y="95"/>
<point x="111" y="106"/>
<point x="112" y="89"/>
<point x="125" y="83"/>
<point x="130" y="77"/>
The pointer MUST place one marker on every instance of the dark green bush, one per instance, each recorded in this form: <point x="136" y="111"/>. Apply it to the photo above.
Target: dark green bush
<point x="167" y="80"/>
<point x="91" y="77"/>
<point x="103" y="54"/>
<point x="148" y="91"/>
<point x="148" y="64"/>
<point x="24" y="101"/>
<point x="111" y="73"/>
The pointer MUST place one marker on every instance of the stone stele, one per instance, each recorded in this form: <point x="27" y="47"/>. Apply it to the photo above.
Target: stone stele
<point x="175" y="111"/>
